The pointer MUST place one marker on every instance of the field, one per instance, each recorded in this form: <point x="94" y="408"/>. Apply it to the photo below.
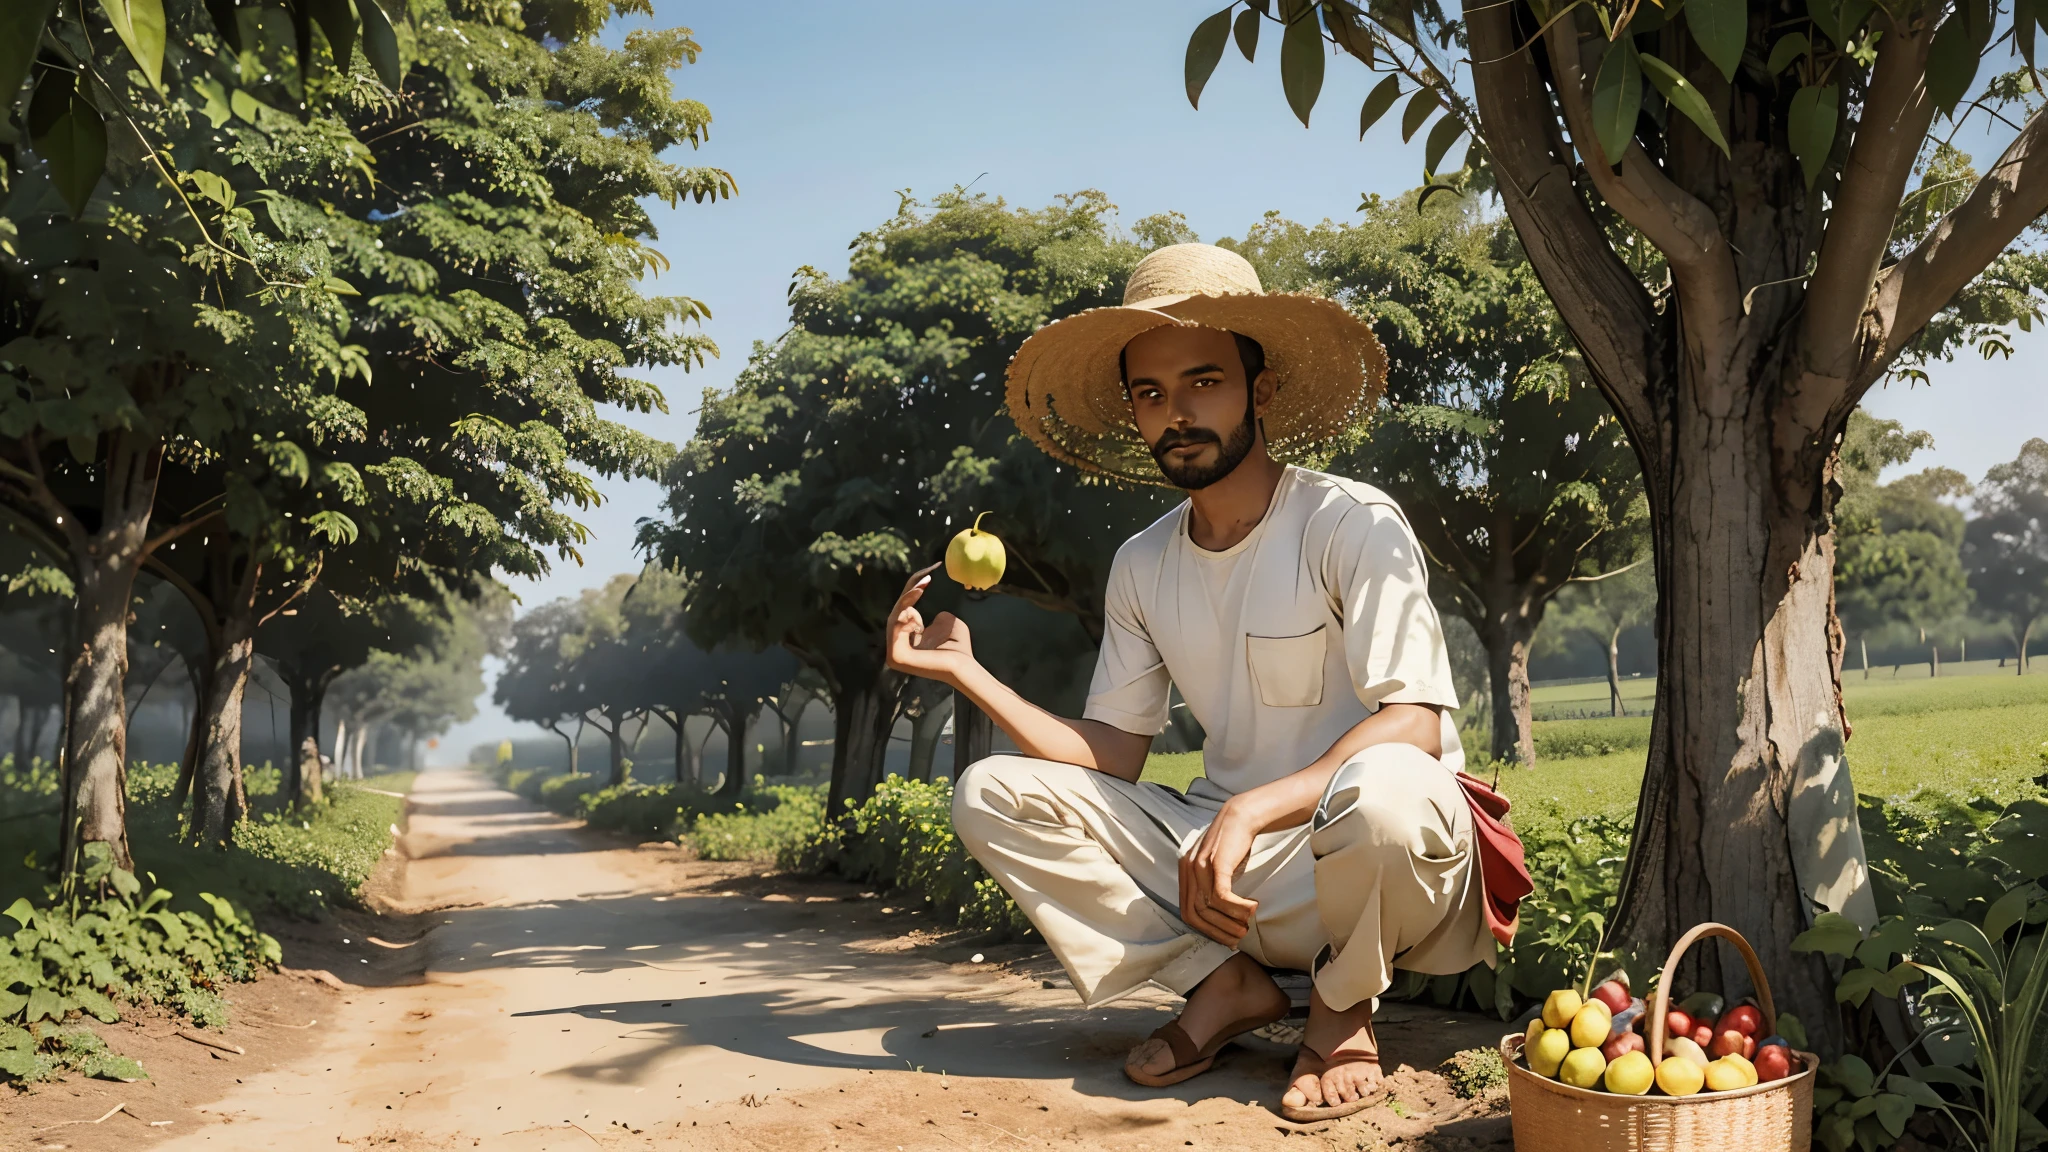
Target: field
<point x="1965" y="734"/>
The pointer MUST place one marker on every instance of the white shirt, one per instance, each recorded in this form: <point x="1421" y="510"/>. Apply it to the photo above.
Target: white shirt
<point x="1280" y="643"/>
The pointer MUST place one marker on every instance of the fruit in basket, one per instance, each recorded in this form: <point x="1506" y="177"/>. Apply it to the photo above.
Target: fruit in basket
<point x="1773" y="1062"/>
<point x="1592" y="1025"/>
<point x="1549" y="1051"/>
<point x="1621" y="1043"/>
<point x="1725" y="1076"/>
<point x="1678" y="1022"/>
<point x="1743" y="1018"/>
<point x="1584" y="1067"/>
<point x="1684" y="1048"/>
<point x="1536" y="1030"/>
<point x="1748" y="1070"/>
<point x="1630" y="1075"/>
<point x="1628" y="1018"/>
<point x="1560" y="1006"/>
<point x="1678" y="1076"/>
<point x="1726" y="1042"/>
<point x="1703" y="1034"/>
<point x="1615" y="995"/>
<point x="1703" y="1007"/>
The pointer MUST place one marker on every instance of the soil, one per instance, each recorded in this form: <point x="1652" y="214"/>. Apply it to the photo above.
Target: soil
<point x="525" y="983"/>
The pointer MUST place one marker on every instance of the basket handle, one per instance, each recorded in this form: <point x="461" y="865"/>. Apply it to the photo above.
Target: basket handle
<point x="1660" y="1006"/>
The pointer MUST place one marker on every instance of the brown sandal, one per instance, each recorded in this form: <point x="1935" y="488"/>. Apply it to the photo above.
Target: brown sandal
<point x="1188" y="1060"/>
<point x="1314" y="1113"/>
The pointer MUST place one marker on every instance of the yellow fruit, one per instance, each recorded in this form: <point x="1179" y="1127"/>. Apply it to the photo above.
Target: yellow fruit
<point x="1679" y="1076"/>
<point x="1742" y="1062"/>
<point x="1583" y="1068"/>
<point x="975" y="558"/>
<point x="1723" y="1076"/>
<point x="1560" y="1007"/>
<point x="1535" y="1032"/>
<point x="1549" y="1052"/>
<point x="1684" y="1046"/>
<point x="1591" y="1024"/>
<point x="1630" y="1075"/>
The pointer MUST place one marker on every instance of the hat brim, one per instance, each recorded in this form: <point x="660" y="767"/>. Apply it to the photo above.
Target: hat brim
<point x="1065" y="388"/>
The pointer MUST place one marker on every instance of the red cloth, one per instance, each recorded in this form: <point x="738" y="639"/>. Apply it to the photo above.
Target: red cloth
<point x="1503" y="870"/>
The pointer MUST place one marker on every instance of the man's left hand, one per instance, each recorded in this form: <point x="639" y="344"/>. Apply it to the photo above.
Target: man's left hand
<point x="1207" y="872"/>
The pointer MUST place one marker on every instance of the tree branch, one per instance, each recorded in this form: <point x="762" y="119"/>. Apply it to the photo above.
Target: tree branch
<point x="1601" y="301"/>
<point x="177" y="530"/>
<point x="1897" y="113"/>
<point x="2012" y="195"/>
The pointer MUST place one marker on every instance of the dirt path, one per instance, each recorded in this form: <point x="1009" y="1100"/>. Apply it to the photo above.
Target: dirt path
<point x="568" y="992"/>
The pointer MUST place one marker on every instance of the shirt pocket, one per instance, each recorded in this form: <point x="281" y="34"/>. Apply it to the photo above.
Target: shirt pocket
<point x="1288" y="669"/>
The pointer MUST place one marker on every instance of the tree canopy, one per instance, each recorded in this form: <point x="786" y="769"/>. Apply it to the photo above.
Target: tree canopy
<point x="2006" y="549"/>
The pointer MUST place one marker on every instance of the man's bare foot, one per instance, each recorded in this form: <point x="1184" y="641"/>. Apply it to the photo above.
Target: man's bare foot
<point x="1331" y="1071"/>
<point x="1237" y="991"/>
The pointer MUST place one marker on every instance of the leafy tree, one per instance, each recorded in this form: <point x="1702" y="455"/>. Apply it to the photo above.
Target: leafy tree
<point x="418" y="692"/>
<point x="2006" y="546"/>
<point x="1507" y="462"/>
<point x="321" y="637"/>
<point x="1606" y="604"/>
<point x="852" y="448"/>
<point x="1716" y="197"/>
<point x="1898" y="548"/>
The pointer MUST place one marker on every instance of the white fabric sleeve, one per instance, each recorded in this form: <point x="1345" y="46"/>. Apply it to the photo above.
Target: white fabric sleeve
<point x="1379" y="583"/>
<point x="1130" y="687"/>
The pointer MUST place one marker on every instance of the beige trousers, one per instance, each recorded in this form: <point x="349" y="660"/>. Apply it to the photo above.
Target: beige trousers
<point x="1383" y="876"/>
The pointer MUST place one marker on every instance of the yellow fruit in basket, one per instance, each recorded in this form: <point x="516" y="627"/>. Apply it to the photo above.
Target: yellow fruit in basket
<point x="1549" y="1051"/>
<point x="1583" y="1068"/>
<point x="1591" y="1025"/>
<point x="1723" y="1076"/>
<point x="1748" y="1070"/>
<point x="1560" y="1007"/>
<point x="1678" y="1076"/>
<point x="1535" y="1031"/>
<point x="1684" y="1046"/>
<point x="1631" y="1075"/>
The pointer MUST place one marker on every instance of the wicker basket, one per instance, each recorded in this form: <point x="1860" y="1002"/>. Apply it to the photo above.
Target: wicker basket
<point x="1550" y="1116"/>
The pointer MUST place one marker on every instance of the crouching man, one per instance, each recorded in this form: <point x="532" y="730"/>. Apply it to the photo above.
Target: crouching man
<point x="1331" y="832"/>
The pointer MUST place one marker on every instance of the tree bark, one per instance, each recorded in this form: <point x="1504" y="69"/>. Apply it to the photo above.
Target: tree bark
<point x="861" y="721"/>
<point x="735" y="725"/>
<point x="973" y="734"/>
<point x="924" y="735"/>
<point x="1614" y="671"/>
<point x="1508" y="636"/>
<point x="218" y="804"/>
<point x="305" y="773"/>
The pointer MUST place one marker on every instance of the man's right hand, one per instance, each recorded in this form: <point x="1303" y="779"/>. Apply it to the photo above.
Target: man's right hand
<point x="938" y="651"/>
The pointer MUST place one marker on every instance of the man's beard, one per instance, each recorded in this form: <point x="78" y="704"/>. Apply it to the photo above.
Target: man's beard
<point x="1190" y="477"/>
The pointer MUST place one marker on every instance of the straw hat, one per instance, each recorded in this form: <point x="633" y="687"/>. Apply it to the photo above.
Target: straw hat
<point x="1066" y="392"/>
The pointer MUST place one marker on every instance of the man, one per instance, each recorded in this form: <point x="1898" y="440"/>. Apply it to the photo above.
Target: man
<point x="1329" y="833"/>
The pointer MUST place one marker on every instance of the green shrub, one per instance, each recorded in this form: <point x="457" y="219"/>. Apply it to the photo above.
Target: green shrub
<point x="39" y="1052"/>
<point x="903" y="837"/>
<point x="563" y="793"/>
<point x="1571" y="739"/>
<point x="1475" y="1072"/>
<point x="773" y="824"/>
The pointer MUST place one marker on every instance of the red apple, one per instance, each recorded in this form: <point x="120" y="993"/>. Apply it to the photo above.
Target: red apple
<point x="1677" y="1023"/>
<point x="1614" y="994"/>
<point x="1728" y="1041"/>
<point x="1703" y="1035"/>
<point x="1743" y="1018"/>
<point x="1773" y="1062"/>
<point x="1620" y="1044"/>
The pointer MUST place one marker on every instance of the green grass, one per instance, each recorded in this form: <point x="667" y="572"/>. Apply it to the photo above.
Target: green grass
<point x="1963" y="735"/>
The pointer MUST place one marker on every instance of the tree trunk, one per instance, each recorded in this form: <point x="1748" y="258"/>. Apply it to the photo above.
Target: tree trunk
<point x="734" y="724"/>
<point x="791" y="713"/>
<point x="1864" y="643"/>
<point x="924" y="735"/>
<point x="1747" y="816"/>
<point x="2026" y="637"/>
<point x="973" y="734"/>
<point x="218" y="804"/>
<point x="861" y="721"/>
<point x="364" y="730"/>
<point x="615" y="740"/>
<point x="304" y="771"/>
<point x="1508" y="638"/>
<point x="1614" y="672"/>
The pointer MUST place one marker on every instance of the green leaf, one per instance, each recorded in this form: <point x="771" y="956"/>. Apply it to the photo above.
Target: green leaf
<point x="1205" y="51"/>
<point x="1792" y="1030"/>
<point x="1920" y="1094"/>
<point x="1441" y="137"/>
<point x="1895" y="935"/>
<point x="140" y="25"/>
<point x="75" y="145"/>
<point x="1943" y="1074"/>
<point x="1417" y="113"/>
<point x="1681" y="95"/>
<point x="1246" y="32"/>
<point x="1789" y="47"/>
<point x="1832" y="932"/>
<point x="2020" y="838"/>
<point x="1720" y="28"/>
<point x="21" y="29"/>
<point x="1617" y="98"/>
<point x="1951" y="63"/>
<point x="1811" y="127"/>
<point x="1858" y="983"/>
<point x="2010" y="909"/>
<point x="1349" y="29"/>
<point x="1301" y="59"/>
<point x="1826" y="16"/>
<point x="337" y="19"/>
<point x="97" y="1005"/>
<point x="1893" y="1110"/>
<point x="1854" y="1075"/>
<point x="43" y="1004"/>
<point x="21" y="911"/>
<point x="380" y="44"/>
<point x="1377" y="102"/>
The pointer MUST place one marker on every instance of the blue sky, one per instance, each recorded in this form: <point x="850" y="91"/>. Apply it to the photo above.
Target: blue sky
<point x="824" y="111"/>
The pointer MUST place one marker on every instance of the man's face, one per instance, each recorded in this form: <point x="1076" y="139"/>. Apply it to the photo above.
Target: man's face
<point x="1188" y="396"/>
